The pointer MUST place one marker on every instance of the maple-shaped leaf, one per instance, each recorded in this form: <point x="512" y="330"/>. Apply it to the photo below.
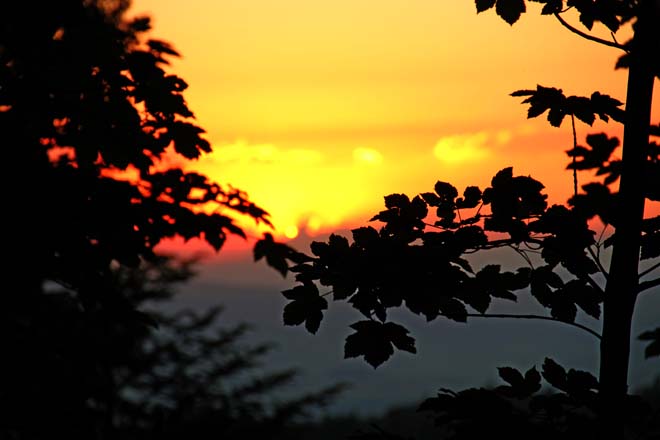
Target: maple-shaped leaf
<point x="511" y="375"/>
<point x="275" y="257"/>
<point x="519" y="386"/>
<point x="365" y="237"/>
<point x="510" y="10"/>
<point x="653" y="349"/>
<point x="551" y="6"/>
<point x="277" y="254"/>
<point x="306" y="306"/>
<point x="607" y="107"/>
<point x="542" y="99"/>
<point x="471" y="198"/>
<point x="585" y="296"/>
<point x="562" y="306"/>
<point x="483" y="5"/>
<point x="398" y="335"/>
<point x="581" y="108"/>
<point x="376" y="341"/>
<point x="554" y="374"/>
<point x="580" y="383"/>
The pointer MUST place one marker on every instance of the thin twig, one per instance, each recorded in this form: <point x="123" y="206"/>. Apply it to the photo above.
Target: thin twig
<point x="575" y="178"/>
<point x="596" y="259"/>
<point x="649" y="270"/>
<point x="646" y="285"/>
<point x="593" y="283"/>
<point x="587" y="36"/>
<point x="541" y="317"/>
<point x="523" y="255"/>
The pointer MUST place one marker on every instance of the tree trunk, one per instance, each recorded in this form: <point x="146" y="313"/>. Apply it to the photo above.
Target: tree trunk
<point x="622" y="284"/>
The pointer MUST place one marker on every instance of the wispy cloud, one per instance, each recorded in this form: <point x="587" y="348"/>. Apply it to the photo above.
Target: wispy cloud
<point x="471" y="147"/>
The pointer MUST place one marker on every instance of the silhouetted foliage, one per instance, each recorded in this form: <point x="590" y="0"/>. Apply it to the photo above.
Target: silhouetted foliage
<point x="93" y="122"/>
<point x="193" y="377"/>
<point x="419" y="257"/>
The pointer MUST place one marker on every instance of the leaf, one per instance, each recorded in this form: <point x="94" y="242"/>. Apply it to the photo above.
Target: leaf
<point x="510" y="10"/>
<point x="542" y="99"/>
<point x="431" y="199"/>
<point x="162" y="46"/>
<point x="563" y="306"/>
<point x="580" y="381"/>
<point x="539" y="286"/>
<point x="581" y="108"/>
<point x="520" y="386"/>
<point x="533" y="380"/>
<point x="396" y="201"/>
<point x="552" y="7"/>
<point x="554" y="374"/>
<point x="483" y="5"/>
<point x="452" y="309"/>
<point x="607" y="107"/>
<point x="306" y="306"/>
<point x="512" y="376"/>
<point x="374" y="340"/>
<point x="653" y="349"/>
<point x="471" y="198"/>
<point x="446" y="191"/>
<point x="364" y="237"/>
<point x="276" y="254"/>
<point x="399" y="337"/>
<point x="585" y="296"/>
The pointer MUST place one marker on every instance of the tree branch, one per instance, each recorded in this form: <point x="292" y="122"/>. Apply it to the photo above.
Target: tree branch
<point x="648" y="285"/>
<point x="541" y="317"/>
<point x="587" y="278"/>
<point x="575" y="176"/>
<point x="587" y="36"/>
<point x="649" y="270"/>
<point x="597" y="261"/>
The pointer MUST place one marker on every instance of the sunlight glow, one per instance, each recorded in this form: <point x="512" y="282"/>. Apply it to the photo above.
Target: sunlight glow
<point x="291" y="231"/>
<point x="368" y="156"/>
<point x="341" y="103"/>
<point x="462" y="148"/>
<point x="302" y="189"/>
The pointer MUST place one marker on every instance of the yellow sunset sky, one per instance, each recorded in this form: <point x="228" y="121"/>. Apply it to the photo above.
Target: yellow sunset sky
<point x="317" y="109"/>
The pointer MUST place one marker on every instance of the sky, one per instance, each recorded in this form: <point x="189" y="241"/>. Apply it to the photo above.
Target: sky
<point x="317" y="109"/>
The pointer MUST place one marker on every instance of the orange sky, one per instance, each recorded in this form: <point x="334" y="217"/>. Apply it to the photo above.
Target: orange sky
<point x="320" y="108"/>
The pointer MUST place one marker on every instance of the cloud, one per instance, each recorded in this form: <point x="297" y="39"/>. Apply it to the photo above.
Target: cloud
<point x="304" y="189"/>
<point x="242" y="152"/>
<point x="470" y="147"/>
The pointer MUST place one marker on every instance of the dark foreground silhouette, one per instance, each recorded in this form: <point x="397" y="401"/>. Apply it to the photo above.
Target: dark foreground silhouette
<point x="87" y="110"/>
<point x="420" y="256"/>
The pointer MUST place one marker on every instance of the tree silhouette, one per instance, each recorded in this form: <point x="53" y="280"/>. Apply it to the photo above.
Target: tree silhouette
<point x="194" y="377"/>
<point x="419" y="258"/>
<point x="89" y="113"/>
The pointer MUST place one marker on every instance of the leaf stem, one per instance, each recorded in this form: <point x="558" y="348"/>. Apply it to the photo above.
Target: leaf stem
<point x="575" y="177"/>
<point x="541" y="317"/>
<point x="587" y="36"/>
<point x="597" y="261"/>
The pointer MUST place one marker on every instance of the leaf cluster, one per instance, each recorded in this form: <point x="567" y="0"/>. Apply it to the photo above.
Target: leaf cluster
<point x="611" y="13"/>
<point x="419" y="263"/>
<point x="96" y="122"/>
<point x="523" y="408"/>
